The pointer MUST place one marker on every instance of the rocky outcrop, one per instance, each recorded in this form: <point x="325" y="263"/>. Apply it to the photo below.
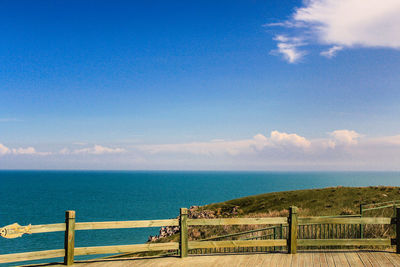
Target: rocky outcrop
<point x="195" y="212"/>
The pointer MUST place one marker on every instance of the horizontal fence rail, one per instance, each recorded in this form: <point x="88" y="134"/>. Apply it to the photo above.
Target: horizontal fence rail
<point x="125" y="224"/>
<point x="237" y="221"/>
<point x="291" y="232"/>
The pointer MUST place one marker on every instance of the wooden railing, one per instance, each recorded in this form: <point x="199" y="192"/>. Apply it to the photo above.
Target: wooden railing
<point x="292" y="223"/>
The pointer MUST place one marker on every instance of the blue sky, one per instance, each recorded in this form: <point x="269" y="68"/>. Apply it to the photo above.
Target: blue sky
<point x="184" y="85"/>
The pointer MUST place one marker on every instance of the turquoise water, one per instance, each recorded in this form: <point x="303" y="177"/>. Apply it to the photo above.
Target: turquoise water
<point x="41" y="197"/>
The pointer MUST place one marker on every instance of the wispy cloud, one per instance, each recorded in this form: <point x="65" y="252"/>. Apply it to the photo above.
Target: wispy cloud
<point x="21" y="151"/>
<point x="345" y="24"/>
<point x="95" y="150"/>
<point x="338" y="149"/>
<point x="289" y="48"/>
<point x="246" y="146"/>
<point x="331" y="52"/>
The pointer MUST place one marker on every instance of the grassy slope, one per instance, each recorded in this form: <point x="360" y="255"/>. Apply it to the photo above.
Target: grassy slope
<point x="313" y="202"/>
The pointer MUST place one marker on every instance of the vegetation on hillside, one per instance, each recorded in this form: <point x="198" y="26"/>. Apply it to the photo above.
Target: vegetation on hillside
<point x="312" y="202"/>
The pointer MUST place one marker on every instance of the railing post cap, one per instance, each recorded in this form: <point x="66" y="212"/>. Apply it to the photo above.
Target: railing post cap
<point x="184" y="210"/>
<point x="293" y="209"/>
<point x="70" y="214"/>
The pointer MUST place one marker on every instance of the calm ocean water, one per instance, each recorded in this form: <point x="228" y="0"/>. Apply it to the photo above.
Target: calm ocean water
<point x="41" y="197"/>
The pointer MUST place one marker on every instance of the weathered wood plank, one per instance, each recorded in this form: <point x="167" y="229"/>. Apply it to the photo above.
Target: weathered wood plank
<point x="237" y="243"/>
<point x="183" y="242"/>
<point x="342" y="259"/>
<point x="36" y="255"/>
<point x="394" y="258"/>
<point x="322" y="258"/>
<point x="344" y="242"/>
<point x="69" y="239"/>
<point x="295" y="260"/>
<point x="292" y="241"/>
<point x="383" y="261"/>
<point x="398" y="230"/>
<point x="353" y="259"/>
<point x="364" y="258"/>
<point x="126" y="248"/>
<point x="47" y="228"/>
<point x="125" y="224"/>
<point x="237" y="221"/>
<point x="329" y="259"/>
<point x="363" y="220"/>
<point x="274" y="260"/>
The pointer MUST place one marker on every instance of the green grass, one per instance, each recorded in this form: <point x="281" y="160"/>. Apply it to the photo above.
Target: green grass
<point x="312" y="202"/>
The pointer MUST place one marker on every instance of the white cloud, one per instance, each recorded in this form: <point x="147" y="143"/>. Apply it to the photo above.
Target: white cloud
<point x="346" y="24"/>
<point x="289" y="139"/>
<point x="21" y="151"/>
<point x="64" y="151"/>
<point x="345" y="137"/>
<point x="96" y="150"/>
<point x="245" y="146"/>
<point x="28" y="151"/>
<point x="4" y="150"/>
<point x="24" y="151"/>
<point x="289" y="48"/>
<point x="331" y="52"/>
<point x="343" y="149"/>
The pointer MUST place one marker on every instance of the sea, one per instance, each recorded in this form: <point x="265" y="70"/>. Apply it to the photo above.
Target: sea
<point x="42" y="197"/>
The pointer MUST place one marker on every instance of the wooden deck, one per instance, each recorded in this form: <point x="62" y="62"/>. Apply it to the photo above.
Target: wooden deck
<point x="316" y="258"/>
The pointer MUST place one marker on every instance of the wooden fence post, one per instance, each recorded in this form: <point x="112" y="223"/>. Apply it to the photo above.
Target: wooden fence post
<point x="183" y="243"/>
<point x="398" y="230"/>
<point x="361" y="226"/>
<point x="292" y="241"/>
<point x="69" y="241"/>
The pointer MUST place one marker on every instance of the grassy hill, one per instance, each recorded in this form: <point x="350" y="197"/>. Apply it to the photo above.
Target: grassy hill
<point x="312" y="202"/>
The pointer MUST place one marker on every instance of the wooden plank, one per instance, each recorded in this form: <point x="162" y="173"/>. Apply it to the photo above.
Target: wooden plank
<point x="289" y="258"/>
<point x="302" y="260"/>
<point x="353" y="259"/>
<point x="364" y="258"/>
<point x="292" y="241"/>
<point x="125" y="224"/>
<point x="339" y="260"/>
<point x="126" y="248"/>
<point x="27" y="256"/>
<point x="308" y="259"/>
<point x="237" y="243"/>
<point x="260" y="260"/>
<point x="183" y="242"/>
<point x="238" y="221"/>
<point x="383" y="261"/>
<point x="266" y="260"/>
<point x="69" y="239"/>
<point x="253" y="260"/>
<point x="295" y="260"/>
<point x="322" y="259"/>
<point x="47" y="228"/>
<point x="342" y="259"/>
<point x="344" y="242"/>
<point x="281" y="260"/>
<point x="363" y="220"/>
<point x="394" y="258"/>
<point x="316" y="259"/>
<point x="398" y="230"/>
<point x="274" y="260"/>
<point x="329" y="259"/>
